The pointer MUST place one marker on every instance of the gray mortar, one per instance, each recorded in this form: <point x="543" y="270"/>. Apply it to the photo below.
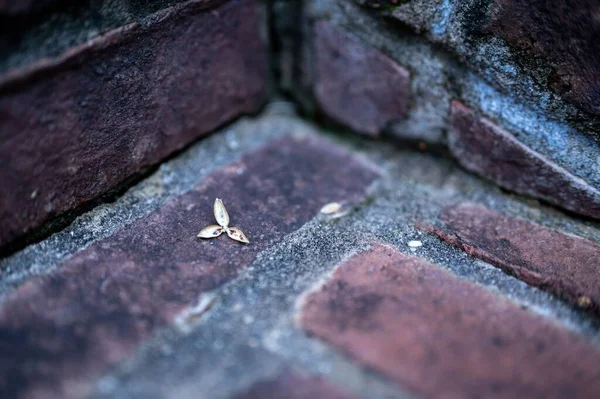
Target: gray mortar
<point x="437" y="77"/>
<point x="248" y="333"/>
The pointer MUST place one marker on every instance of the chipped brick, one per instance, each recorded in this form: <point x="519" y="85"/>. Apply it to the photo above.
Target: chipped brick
<point x="63" y="329"/>
<point x="292" y="385"/>
<point x="487" y="149"/>
<point x="75" y="127"/>
<point x="441" y="336"/>
<point x="357" y="85"/>
<point x="563" y="264"/>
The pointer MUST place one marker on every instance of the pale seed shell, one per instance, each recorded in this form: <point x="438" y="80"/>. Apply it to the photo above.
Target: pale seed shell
<point x="331" y="208"/>
<point x="237" y="234"/>
<point x="210" y="231"/>
<point x="221" y="213"/>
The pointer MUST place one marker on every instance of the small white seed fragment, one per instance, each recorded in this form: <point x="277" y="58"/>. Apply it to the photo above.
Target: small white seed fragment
<point x="331" y="208"/>
<point x="415" y="244"/>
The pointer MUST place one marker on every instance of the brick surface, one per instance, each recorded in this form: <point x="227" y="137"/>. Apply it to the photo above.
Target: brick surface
<point x="565" y="34"/>
<point x="566" y="265"/>
<point x="442" y="336"/>
<point x="291" y="385"/>
<point x="74" y="127"/>
<point x="487" y="149"/>
<point x="59" y="331"/>
<point x="357" y="85"/>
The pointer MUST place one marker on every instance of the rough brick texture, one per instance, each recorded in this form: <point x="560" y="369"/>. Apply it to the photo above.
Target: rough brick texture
<point x="355" y="84"/>
<point x="487" y="149"/>
<point x="63" y="329"/>
<point x="74" y="127"/>
<point x="565" y="34"/>
<point x="441" y="336"/>
<point x="565" y="265"/>
<point x="291" y="385"/>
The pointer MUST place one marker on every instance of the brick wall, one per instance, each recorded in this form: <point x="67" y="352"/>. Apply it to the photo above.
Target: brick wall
<point x="515" y="102"/>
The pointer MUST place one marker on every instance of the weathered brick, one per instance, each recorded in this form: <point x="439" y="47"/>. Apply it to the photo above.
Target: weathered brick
<point x="563" y="264"/>
<point x="74" y="127"/>
<point x="565" y="33"/>
<point x="59" y="331"/>
<point x="356" y="85"/>
<point x="292" y="385"/>
<point x="441" y="336"/>
<point x="487" y="149"/>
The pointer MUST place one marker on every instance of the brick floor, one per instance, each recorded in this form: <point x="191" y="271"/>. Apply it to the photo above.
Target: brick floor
<point x="441" y="336"/>
<point x="566" y="265"/>
<point x="65" y="328"/>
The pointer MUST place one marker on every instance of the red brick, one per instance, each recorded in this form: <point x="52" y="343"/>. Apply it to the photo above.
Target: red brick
<point x="565" y="34"/>
<point x="563" y="264"/>
<point x="75" y="127"/>
<point x="292" y="385"/>
<point x="487" y="149"/>
<point x="61" y="330"/>
<point x="441" y="336"/>
<point x="357" y="85"/>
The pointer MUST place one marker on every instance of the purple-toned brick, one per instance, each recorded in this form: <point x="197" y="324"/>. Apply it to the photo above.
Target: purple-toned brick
<point x="566" y="265"/>
<point x="490" y="151"/>
<point x="75" y="127"/>
<point x="292" y="385"/>
<point x="565" y="33"/>
<point x="357" y="85"/>
<point x="441" y="336"/>
<point x="60" y="331"/>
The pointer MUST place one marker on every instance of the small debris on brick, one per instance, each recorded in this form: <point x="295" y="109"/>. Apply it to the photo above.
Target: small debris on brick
<point x="415" y="244"/>
<point x="331" y="208"/>
<point x="584" y="301"/>
<point x="191" y="316"/>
